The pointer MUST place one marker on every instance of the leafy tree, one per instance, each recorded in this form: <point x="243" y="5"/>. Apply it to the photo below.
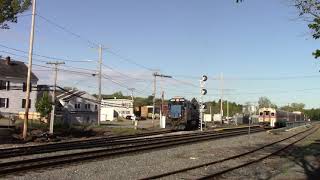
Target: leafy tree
<point x="310" y="11"/>
<point x="9" y="9"/>
<point x="294" y="107"/>
<point x="44" y="105"/>
<point x="313" y="114"/>
<point x="215" y="107"/>
<point x="264" y="102"/>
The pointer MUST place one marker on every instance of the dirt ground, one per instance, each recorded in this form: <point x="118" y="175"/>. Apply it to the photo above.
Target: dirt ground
<point x="300" y="161"/>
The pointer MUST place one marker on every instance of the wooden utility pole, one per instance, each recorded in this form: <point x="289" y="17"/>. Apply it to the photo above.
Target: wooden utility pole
<point x="155" y="75"/>
<point x="221" y="98"/>
<point x="100" y="75"/>
<point x="227" y="108"/>
<point x="55" y="68"/>
<point x="26" y="114"/>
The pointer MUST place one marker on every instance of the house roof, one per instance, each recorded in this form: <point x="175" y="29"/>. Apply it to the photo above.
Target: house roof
<point x="68" y="95"/>
<point x="15" y="69"/>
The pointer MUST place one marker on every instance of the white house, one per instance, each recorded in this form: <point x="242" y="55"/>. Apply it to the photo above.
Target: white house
<point x="77" y="107"/>
<point x="113" y="108"/>
<point x="13" y="78"/>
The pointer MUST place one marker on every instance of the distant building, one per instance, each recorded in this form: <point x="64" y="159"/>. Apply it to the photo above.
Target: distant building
<point x="114" y="108"/>
<point x="146" y="111"/>
<point x="13" y="78"/>
<point x="77" y="107"/>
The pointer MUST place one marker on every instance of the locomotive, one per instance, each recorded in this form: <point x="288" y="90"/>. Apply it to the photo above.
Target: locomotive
<point x="274" y="118"/>
<point x="182" y="114"/>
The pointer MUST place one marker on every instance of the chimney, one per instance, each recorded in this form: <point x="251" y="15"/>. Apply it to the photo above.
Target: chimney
<point x="7" y="60"/>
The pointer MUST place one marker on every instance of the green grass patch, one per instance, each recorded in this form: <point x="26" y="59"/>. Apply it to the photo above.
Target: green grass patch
<point x="123" y="131"/>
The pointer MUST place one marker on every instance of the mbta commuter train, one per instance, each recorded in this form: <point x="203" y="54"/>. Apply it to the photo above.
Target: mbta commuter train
<point x="274" y="118"/>
<point x="182" y="114"/>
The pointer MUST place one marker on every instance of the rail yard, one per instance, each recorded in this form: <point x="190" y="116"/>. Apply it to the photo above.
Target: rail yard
<point x="170" y="90"/>
<point x="196" y="155"/>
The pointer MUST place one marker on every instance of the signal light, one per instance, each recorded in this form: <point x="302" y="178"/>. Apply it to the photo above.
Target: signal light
<point x="204" y="78"/>
<point x="204" y="91"/>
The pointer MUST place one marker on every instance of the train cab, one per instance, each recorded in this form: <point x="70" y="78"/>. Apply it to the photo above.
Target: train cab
<point x="267" y="117"/>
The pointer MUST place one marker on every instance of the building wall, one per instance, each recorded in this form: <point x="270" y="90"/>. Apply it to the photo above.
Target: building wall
<point x="15" y="95"/>
<point x="82" y="115"/>
<point x="112" y="108"/>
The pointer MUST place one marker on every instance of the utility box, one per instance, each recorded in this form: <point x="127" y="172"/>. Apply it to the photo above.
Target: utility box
<point x="207" y="118"/>
<point x="163" y="122"/>
<point x="217" y="117"/>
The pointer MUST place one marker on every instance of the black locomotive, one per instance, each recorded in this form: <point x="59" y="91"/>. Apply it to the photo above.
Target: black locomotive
<point x="182" y="114"/>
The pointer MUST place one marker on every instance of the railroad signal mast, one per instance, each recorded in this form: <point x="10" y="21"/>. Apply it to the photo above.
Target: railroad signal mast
<point x="203" y="92"/>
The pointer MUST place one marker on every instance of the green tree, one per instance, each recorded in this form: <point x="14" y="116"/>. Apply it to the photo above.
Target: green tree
<point x="264" y="102"/>
<point x="9" y="9"/>
<point x="310" y="11"/>
<point x="294" y="107"/>
<point x="44" y="105"/>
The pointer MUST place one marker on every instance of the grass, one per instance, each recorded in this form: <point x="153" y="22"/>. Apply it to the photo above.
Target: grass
<point x="123" y="131"/>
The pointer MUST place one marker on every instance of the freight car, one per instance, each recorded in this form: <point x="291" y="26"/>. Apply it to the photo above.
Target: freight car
<point x="274" y="118"/>
<point x="182" y="114"/>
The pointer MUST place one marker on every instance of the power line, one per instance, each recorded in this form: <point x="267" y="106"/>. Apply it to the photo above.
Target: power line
<point x="122" y="58"/>
<point x="68" y="31"/>
<point x="44" y="56"/>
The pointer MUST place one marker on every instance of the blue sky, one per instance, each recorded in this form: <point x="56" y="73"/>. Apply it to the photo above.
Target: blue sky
<point x="254" y="44"/>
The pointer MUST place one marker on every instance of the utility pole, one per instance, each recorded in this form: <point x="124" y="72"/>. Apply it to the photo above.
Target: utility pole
<point x="155" y="75"/>
<point x="227" y="108"/>
<point x="100" y="75"/>
<point x="56" y="63"/>
<point x="221" y="98"/>
<point x="26" y="114"/>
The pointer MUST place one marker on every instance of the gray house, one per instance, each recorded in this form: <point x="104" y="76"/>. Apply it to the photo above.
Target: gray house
<point x="13" y="77"/>
<point x="77" y="107"/>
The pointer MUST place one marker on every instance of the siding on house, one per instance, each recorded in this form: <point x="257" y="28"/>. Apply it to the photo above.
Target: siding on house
<point x="14" y="75"/>
<point x="78" y="107"/>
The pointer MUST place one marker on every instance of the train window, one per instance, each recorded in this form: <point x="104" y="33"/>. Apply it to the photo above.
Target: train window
<point x="272" y="114"/>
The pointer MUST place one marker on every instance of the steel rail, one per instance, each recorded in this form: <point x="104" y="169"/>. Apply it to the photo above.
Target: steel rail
<point x="222" y="160"/>
<point x="21" y="165"/>
<point x="104" y="142"/>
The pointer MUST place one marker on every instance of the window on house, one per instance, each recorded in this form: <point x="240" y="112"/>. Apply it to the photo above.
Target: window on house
<point x="24" y="103"/>
<point x="4" y="102"/>
<point x="24" y="87"/>
<point x="4" y="85"/>
<point x="77" y="106"/>
<point x="96" y="107"/>
<point x="87" y="106"/>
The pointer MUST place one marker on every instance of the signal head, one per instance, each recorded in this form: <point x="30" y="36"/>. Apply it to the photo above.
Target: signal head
<point x="204" y="78"/>
<point x="204" y="91"/>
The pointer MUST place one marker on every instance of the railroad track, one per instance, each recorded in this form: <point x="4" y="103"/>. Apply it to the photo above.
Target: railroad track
<point x="71" y="145"/>
<point x="88" y="144"/>
<point x="217" y="168"/>
<point x="136" y="145"/>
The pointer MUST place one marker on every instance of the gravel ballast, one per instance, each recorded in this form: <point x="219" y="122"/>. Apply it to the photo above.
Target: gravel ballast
<point x="139" y="165"/>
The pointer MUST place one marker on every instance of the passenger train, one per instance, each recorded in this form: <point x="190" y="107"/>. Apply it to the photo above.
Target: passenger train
<point x="274" y="118"/>
<point x="182" y="114"/>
